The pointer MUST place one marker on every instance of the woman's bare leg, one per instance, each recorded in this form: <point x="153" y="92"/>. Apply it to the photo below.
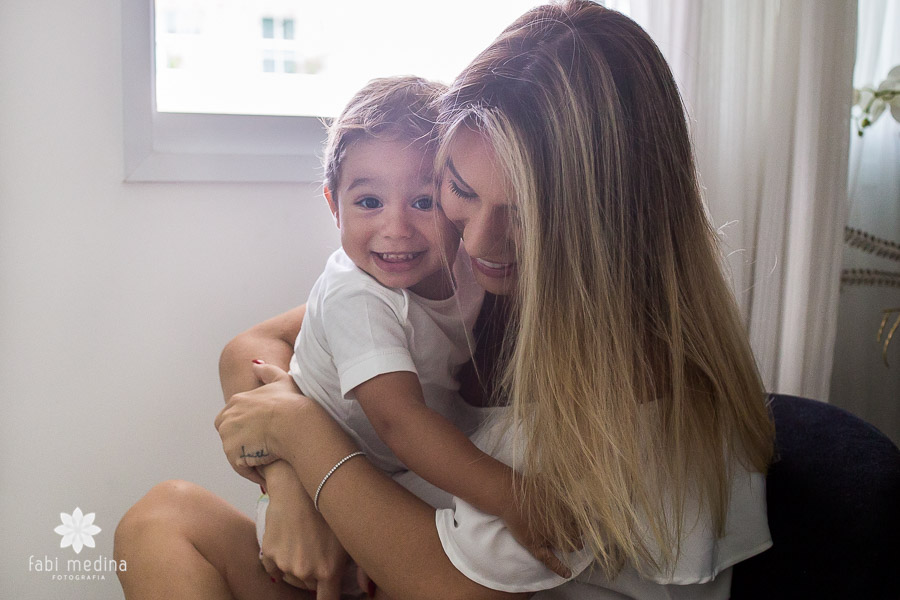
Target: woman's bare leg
<point x="182" y="541"/>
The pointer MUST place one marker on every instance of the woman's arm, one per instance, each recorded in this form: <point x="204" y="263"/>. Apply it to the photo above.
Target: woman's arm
<point x="298" y="545"/>
<point x="388" y="531"/>
<point x="271" y="341"/>
<point x="297" y="542"/>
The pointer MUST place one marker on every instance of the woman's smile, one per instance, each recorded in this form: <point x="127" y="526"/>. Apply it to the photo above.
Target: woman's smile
<point x="477" y="198"/>
<point x="496" y="270"/>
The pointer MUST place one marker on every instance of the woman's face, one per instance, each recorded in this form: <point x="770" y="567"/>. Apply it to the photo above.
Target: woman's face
<point x="477" y="198"/>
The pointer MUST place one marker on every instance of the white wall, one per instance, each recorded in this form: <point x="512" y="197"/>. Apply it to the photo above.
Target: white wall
<point x="115" y="299"/>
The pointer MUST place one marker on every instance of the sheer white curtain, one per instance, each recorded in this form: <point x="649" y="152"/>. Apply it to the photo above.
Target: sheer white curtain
<point x="768" y="85"/>
<point x="875" y="157"/>
<point x="860" y="381"/>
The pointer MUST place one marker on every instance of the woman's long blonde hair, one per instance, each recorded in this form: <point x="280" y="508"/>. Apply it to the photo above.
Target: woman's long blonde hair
<point x="632" y="382"/>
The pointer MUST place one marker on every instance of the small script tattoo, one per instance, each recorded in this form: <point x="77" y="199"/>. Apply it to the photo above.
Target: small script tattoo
<point x="257" y="454"/>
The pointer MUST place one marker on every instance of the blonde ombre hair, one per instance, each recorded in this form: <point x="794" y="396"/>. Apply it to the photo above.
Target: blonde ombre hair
<point x="633" y="386"/>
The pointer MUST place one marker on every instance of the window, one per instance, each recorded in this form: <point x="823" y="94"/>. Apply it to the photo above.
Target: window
<point x="233" y="91"/>
<point x="268" y="28"/>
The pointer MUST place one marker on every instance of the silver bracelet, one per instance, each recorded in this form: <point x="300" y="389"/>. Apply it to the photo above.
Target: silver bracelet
<point x="331" y="472"/>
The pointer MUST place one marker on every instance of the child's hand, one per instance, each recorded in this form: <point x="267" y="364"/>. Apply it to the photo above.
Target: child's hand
<point x="533" y="542"/>
<point x="300" y="545"/>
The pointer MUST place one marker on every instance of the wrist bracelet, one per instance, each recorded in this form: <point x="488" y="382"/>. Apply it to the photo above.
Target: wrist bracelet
<point x="331" y="472"/>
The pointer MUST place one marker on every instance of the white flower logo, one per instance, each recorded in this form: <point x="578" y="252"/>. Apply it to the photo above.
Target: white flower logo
<point x="77" y="530"/>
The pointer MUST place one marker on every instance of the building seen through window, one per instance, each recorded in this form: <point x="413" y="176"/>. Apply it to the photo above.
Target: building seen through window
<point x="292" y="57"/>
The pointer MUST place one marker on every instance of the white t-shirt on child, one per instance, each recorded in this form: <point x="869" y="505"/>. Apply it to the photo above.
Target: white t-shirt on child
<point x="355" y="328"/>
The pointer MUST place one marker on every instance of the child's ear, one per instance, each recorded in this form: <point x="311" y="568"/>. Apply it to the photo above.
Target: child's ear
<point x="333" y="206"/>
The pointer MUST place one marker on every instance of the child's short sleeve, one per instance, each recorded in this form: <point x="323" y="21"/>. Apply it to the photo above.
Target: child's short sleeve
<point x="366" y="331"/>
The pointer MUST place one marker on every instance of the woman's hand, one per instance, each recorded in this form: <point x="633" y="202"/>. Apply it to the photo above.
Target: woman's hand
<point x="298" y="544"/>
<point x="247" y="423"/>
<point x="536" y="544"/>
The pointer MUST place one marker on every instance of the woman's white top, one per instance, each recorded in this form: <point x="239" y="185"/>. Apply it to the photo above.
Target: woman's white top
<point x="483" y="549"/>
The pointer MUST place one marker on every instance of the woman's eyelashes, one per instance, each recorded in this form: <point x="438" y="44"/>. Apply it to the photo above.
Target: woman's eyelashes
<point x="458" y="191"/>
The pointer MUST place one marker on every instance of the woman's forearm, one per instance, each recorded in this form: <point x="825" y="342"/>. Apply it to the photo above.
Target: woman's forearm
<point x="280" y="478"/>
<point x="388" y="531"/>
<point x="271" y="341"/>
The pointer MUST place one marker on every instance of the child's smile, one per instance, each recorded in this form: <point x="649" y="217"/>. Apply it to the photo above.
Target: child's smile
<point x="384" y="208"/>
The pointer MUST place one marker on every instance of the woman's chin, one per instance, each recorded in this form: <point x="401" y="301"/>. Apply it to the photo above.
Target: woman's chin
<point x="499" y="286"/>
<point x="496" y="278"/>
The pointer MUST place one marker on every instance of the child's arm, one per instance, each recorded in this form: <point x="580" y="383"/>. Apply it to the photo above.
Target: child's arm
<point x="436" y="450"/>
<point x="430" y="445"/>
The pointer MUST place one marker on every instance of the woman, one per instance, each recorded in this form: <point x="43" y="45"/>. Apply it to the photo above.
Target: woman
<point x="634" y="400"/>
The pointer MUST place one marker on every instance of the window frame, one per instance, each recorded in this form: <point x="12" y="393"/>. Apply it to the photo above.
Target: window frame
<point x="181" y="147"/>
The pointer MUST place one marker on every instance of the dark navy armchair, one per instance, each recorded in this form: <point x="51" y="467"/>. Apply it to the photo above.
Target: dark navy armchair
<point x="834" y="510"/>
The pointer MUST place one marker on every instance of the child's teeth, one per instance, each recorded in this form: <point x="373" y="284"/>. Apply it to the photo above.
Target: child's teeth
<point x="398" y="256"/>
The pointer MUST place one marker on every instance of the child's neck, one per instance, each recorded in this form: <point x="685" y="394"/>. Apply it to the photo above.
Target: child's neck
<point x="437" y="286"/>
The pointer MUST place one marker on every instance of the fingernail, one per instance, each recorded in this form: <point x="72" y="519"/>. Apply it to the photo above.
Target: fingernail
<point x="273" y="579"/>
<point x="370" y="589"/>
<point x="259" y="361"/>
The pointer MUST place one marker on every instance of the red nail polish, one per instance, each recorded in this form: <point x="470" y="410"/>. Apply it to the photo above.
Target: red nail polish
<point x="259" y="361"/>
<point x="370" y="589"/>
<point x="273" y="579"/>
<point x="263" y="490"/>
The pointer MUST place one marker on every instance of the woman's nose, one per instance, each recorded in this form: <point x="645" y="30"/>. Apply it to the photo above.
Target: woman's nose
<point x="487" y="235"/>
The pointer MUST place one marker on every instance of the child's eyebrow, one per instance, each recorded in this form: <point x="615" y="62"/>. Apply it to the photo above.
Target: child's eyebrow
<point x="360" y="181"/>
<point x="456" y="174"/>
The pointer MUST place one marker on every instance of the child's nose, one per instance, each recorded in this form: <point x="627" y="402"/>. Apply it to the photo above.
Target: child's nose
<point x="398" y="225"/>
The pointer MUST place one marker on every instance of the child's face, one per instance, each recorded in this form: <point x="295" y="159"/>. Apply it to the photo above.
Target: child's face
<point x="390" y="227"/>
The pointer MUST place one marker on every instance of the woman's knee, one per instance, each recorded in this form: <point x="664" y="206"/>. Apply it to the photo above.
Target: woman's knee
<point x="166" y="508"/>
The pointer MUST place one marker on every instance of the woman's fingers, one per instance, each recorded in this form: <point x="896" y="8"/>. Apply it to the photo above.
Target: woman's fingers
<point x="365" y="583"/>
<point x="270" y="567"/>
<point x="362" y="578"/>
<point x="267" y="373"/>
<point x="329" y="589"/>
<point x="294" y="581"/>
<point x="546" y="556"/>
<point x="278" y="575"/>
<point x="252" y="474"/>
<point x="242" y="426"/>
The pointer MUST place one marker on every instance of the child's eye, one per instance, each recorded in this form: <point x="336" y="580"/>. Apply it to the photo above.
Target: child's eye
<point x="369" y="202"/>
<point x="423" y="203"/>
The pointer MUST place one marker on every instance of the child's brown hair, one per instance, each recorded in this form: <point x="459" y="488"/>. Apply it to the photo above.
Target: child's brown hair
<point x="391" y="107"/>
